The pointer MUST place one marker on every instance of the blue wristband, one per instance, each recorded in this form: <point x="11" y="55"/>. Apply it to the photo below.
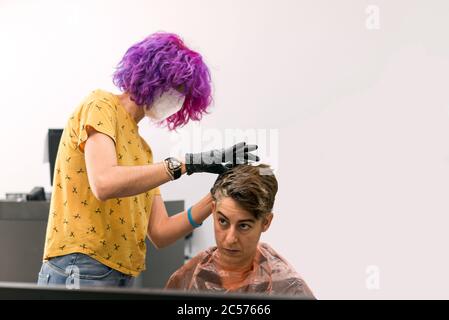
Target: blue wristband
<point x="189" y="216"/>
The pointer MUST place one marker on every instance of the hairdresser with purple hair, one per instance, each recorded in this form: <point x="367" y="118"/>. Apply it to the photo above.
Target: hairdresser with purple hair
<point x="106" y="198"/>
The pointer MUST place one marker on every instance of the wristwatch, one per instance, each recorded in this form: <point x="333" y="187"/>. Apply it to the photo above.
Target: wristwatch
<point x="174" y="167"/>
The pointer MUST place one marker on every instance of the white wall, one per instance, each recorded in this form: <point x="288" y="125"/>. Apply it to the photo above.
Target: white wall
<point x="361" y="117"/>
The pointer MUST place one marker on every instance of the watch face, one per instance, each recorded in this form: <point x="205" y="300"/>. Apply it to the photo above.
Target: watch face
<point x="174" y="163"/>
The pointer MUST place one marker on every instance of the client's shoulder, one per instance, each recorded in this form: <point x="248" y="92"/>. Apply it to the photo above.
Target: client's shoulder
<point x="201" y="257"/>
<point x="181" y="278"/>
<point x="285" y="279"/>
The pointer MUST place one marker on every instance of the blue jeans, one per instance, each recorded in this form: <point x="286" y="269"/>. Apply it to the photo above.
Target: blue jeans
<point x="77" y="270"/>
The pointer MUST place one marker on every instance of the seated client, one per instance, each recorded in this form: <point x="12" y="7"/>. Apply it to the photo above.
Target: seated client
<point x="242" y="209"/>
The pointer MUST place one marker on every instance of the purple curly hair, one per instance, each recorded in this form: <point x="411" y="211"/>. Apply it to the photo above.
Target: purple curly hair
<point x="161" y="62"/>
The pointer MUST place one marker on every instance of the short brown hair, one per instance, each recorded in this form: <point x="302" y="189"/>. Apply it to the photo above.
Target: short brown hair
<point x="254" y="188"/>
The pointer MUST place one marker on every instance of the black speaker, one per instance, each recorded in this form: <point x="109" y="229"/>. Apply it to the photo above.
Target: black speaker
<point x="54" y="137"/>
<point x="37" y="194"/>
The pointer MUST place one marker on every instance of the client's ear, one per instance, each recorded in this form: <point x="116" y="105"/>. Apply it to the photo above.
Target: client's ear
<point x="267" y="222"/>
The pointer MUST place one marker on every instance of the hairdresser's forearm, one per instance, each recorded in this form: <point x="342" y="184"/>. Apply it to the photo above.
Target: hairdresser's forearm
<point x="167" y="231"/>
<point x="125" y="181"/>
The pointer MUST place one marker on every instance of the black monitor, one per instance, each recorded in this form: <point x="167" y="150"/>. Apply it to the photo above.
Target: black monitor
<point x="27" y="291"/>
<point x="54" y="136"/>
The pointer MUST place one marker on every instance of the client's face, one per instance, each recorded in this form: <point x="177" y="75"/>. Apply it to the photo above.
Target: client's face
<point x="237" y="232"/>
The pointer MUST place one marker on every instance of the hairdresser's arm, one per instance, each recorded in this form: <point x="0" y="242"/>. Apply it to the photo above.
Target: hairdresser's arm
<point x="109" y="180"/>
<point x="164" y="230"/>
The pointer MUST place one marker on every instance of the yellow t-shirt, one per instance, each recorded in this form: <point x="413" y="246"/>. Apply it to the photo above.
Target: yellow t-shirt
<point x="113" y="231"/>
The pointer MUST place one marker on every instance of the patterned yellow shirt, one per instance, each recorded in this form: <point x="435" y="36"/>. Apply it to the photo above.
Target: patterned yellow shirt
<point x="113" y="231"/>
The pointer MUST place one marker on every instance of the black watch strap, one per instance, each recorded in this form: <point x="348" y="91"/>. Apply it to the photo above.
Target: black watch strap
<point x="175" y="167"/>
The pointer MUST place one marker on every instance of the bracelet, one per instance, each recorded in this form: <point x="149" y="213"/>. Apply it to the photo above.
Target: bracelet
<point x="189" y="216"/>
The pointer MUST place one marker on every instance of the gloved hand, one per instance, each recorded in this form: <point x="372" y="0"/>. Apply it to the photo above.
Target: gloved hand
<point x="220" y="160"/>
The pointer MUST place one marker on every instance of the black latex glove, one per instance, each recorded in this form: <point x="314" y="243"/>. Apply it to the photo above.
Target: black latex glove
<point x="220" y="160"/>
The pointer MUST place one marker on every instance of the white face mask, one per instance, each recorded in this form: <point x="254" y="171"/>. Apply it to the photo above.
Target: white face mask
<point x="165" y="105"/>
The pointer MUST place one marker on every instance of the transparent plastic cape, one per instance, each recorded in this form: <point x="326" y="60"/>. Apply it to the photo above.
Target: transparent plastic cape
<point x="270" y="274"/>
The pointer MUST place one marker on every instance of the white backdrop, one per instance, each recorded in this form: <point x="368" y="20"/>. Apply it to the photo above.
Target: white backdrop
<point x="351" y="95"/>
